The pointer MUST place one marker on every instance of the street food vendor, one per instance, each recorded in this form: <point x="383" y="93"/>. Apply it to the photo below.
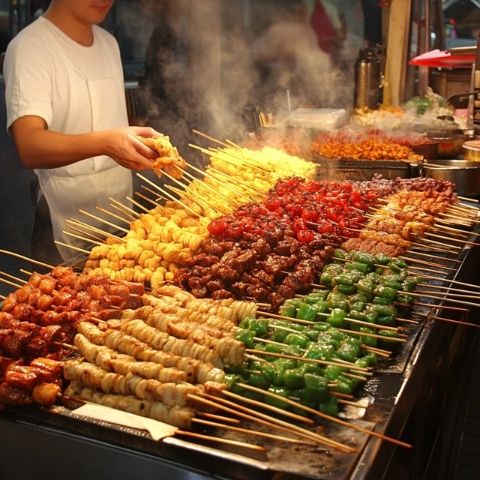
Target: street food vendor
<point x="67" y="113"/>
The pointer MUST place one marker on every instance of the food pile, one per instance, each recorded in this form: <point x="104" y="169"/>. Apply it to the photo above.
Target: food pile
<point x="361" y="146"/>
<point x="163" y="240"/>
<point x="39" y="318"/>
<point x="272" y="250"/>
<point x="168" y="160"/>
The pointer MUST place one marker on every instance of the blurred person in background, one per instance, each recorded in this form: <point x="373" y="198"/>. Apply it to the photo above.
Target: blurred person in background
<point x="66" y="111"/>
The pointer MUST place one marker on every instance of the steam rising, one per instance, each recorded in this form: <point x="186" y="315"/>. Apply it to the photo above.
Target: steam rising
<point x="212" y="77"/>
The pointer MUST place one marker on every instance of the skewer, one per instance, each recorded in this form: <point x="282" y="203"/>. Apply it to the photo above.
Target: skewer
<point x="437" y="257"/>
<point x="364" y="371"/>
<point x="247" y="430"/>
<point x="455" y="218"/>
<point x="423" y="262"/>
<point x="8" y="282"/>
<point x="446" y="280"/>
<point x="245" y="413"/>
<point x="341" y="395"/>
<point x="451" y="300"/>
<point x="466" y="242"/>
<point x="114" y="215"/>
<point x="325" y="416"/>
<point x="139" y="205"/>
<point x="219" y="440"/>
<point x="430" y="242"/>
<point x="219" y="418"/>
<point x="308" y="322"/>
<point x="89" y="240"/>
<point x="449" y="293"/>
<point x="377" y="351"/>
<point x="149" y="200"/>
<point x="26" y="272"/>
<point x="95" y="217"/>
<point x="208" y="187"/>
<point x="124" y="207"/>
<point x="155" y="194"/>
<point x="94" y="229"/>
<point x="3" y="297"/>
<point x="467" y="199"/>
<point x="200" y="201"/>
<point x="11" y="277"/>
<point x="75" y="227"/>
<point x="448" y="320"/>
<point x="244" y="188"/>
<point x="31" y="260"/>
<point x="406" y="320"/>
<point x="77" y="249"/>
<point x="441" y="307"/>
<point x="321" y="438"/>
<point x="449" y="221"/>
<point x="168" y="195"/>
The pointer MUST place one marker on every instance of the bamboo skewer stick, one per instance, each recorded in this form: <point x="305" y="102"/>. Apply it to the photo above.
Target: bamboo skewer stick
<point x="95" y="217"/>
<point x="321" y="438"/>
<point x="31" y="260"/>
<point x="442" y="287"/>
<point x="149" y="200"/>
<point x="95" y="229"/>
<point x="437" y="257"/>
<point x="451" y="300"/>
<point x="452" y="239"/>
<point x="219" y="440"/>
<point x="168" y="195"/>
<point x="246" y="430"/>
<point x="363" y="371"/>
<point x="449" y="320"/>
<point x="245" y="413"/>
<point x="84" y="231"/>
<point x="8" y="282"/>
<point x="89" y="240"/>
<point x="155" y="194"/>
<point x="449" y="294"/>
<point x="218" y="418"/>
<point x="377" y="351"/>
<point x="446" y="280"/>
<point x="114" y="215"/>
<point x="423" y="262"/>
<point x="77" y="249"/>
<point x="124" y="207"/>
<point x="198" y="200"/>
<point x="441" y="307"/>
<point x="139" y="205"/>
<point x="12" y="277"/>
<point x="308" y="322"/>
<point x="3" y="297"/>
<point x="325" y="416"/>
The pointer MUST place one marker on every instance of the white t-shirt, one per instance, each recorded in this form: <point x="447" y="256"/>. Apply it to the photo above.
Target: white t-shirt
<point x="75" y="89"/>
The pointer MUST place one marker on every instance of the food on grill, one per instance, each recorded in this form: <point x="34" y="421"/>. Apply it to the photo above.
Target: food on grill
<point x="168" y="160"/>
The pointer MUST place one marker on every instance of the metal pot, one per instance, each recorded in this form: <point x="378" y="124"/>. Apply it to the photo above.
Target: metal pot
<point x="449" y="145"/>
<point x="465" y="174"/>
<point x="471" y="150"/>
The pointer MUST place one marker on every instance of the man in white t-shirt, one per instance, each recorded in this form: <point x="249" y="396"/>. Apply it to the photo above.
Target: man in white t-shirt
<point x="66" y="110"/>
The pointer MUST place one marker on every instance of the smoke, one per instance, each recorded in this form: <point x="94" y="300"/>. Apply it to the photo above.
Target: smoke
<point x="207" y="72"/>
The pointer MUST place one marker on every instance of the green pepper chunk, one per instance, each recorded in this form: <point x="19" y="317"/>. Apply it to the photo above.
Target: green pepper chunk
<point x="386" y="282"/>
<point x="356" y="315"/>
<point x="321" y="327"/>
<point x="386" y="320"/>
<point x="370" y="358"/>
<point x="258" y="326"/>
<point x="382" y="259"/>
<point x="365" y="287"/>
<point x="289" y="308"/>
<point x="366" y="339"/>
<point x="245" y="322"/>
<point x="362" y="363"/>
<point x="326" y="278"/>
<point x="332" y="372"/>
<point x="312" y="334"/>
<point x="315" y="387"/>
<point x="329" y="406"/>
<point x="337" y="299"/>
<point x="278" y="335"/>
<point x="297" y="339"/>
<point x="382" y="301"/>
<point x="383" y="310"/>
<point x="320" y="352"/>
<point x="346" y="289"/>
<point x="409" y="284"/>
<point x="231" y="379"/>
<point x="258" y="379"/>
<point x="339" y="253"/>
<point x="336" y="317"/>
<point x="364" y="268"/>
<point x="321" y="306"/>
<point x="363" y="257"/>
<point x="277" y="402"/>
<point x="246" y="337"/>
<point x="396" y="265"/>
<point x="306" y="312"/>
<point x="387" y="334"/>
<point x="347" y="352"/>
<point x="357" y="307"/>
<point x="293" y="378"/>
<point x="386" y="292"/>
<point x="344" y="279"/>
<point x="357" y="297"/>
<point x="316" y="296"/>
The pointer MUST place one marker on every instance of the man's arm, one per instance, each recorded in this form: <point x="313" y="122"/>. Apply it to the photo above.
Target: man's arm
<point x="39" y="147"/>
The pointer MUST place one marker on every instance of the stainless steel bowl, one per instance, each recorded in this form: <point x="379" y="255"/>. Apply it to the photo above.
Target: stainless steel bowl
<point x="465" y="174"/>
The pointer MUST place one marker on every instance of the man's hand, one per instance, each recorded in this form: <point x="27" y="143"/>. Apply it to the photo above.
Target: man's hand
<point x="122" y="145"/>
